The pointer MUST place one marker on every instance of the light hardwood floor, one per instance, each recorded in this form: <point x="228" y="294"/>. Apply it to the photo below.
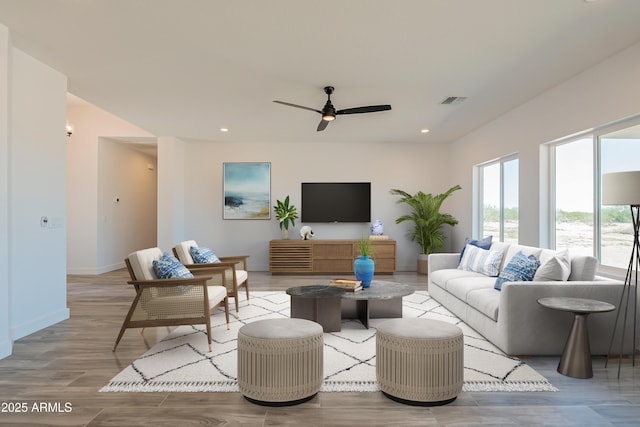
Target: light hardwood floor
<point x="61" y="368"/>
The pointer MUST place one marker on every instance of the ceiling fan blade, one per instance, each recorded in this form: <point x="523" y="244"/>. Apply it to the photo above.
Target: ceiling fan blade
<point x="298" y="106"/>
<point x="322" y="125"/>
<point x="367" y="109"/>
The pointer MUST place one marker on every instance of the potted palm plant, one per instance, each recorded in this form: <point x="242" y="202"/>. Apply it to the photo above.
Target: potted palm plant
<point x="427" y="220"/>
<point x="286" y="214"/>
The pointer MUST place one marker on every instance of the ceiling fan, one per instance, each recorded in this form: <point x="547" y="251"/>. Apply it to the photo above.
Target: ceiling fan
<point x="329" y="112"/>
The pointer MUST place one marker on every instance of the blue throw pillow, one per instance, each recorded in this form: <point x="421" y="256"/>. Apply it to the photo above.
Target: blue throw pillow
<point x="521" y="268"/>
<point x="484" y="243"/>
<point x="203" y="255"/>
<point x="168" y="267"/>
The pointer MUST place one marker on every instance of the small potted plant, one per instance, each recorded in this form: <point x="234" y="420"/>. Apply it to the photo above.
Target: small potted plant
<point x="286" y="214"/>
<point x="364" y="266"/>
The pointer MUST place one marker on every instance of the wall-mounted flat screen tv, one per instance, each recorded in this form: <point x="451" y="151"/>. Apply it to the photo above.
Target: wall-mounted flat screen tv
<point x="336" y="202"/>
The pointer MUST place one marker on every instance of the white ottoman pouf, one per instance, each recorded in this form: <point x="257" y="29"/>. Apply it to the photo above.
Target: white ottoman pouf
<point x="419" y="361"/>
<point x="280" y="361"/>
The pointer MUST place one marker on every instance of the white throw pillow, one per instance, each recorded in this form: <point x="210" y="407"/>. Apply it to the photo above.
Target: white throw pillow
<point x="557" y="268"/>
<point x="480" y="260"/>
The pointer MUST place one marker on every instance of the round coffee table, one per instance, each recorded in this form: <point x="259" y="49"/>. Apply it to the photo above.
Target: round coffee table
<point x="379" y="300"/>
<point x="576" y="357"/>
<point x="319" y="303"/>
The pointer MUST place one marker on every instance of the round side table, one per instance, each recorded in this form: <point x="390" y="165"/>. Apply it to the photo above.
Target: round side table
<point x="576" y="357"/>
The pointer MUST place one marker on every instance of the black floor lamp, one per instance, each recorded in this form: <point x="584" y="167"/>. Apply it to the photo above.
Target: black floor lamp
<point x="623" y="188"/>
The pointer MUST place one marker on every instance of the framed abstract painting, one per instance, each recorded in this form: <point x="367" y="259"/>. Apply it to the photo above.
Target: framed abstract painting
<point x="247" y="190"/>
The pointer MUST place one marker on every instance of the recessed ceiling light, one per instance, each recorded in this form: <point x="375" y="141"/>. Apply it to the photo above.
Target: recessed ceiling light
<point x="424" y="130"/>
<point x="224" y="130"/>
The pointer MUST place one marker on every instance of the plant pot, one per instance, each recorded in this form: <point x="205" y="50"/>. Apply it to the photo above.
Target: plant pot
<point x="423" y="263"/>
<point x="285" y="234"/>
<point x="363" y="267"/>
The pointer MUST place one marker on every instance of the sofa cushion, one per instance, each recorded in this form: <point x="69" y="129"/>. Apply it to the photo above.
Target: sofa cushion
<point x="521" y="268"/>
<point x="486" y="301"/>
<point x="463" y="286"/>
<point x="480" y="260"/>
<point x="484" y="243"/>
<point x="553" y="267"/>
<point x="583" y="268"/>
<point x="441" y="277"/>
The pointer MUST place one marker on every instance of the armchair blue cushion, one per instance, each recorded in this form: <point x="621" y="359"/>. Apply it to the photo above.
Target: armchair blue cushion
<point x="203" y="255"/>
<point x="168" y="267"/>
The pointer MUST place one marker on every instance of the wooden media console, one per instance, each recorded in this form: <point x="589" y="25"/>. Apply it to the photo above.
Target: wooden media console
<point x="327" y="256"/>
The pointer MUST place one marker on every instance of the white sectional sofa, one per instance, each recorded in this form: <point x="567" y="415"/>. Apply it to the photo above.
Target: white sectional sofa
<point x="511" y="318"/>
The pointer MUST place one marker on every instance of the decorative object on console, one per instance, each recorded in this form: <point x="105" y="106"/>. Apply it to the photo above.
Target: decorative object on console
<point x="623" y="188"/>
<point x="381" y="237"/>
<point x="306" y="233"/>
<point x="364" y="266"/>
<point x="427" y="219"/>
<point x="285" y="213"/>
<point x="377" y="228"/>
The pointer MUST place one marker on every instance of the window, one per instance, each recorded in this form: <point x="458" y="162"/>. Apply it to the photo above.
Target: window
<point x="579" y="222"/>
<point x="619" y="151"/>
<point x="574" y="216"/>
<point x="498" y="199"/>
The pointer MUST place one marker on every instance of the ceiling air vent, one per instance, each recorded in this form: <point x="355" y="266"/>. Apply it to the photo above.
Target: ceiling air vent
<point x="453" y="100"/>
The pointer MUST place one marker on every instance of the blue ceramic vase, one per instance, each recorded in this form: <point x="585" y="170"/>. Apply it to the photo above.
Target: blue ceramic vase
<point x="363" y="267"/>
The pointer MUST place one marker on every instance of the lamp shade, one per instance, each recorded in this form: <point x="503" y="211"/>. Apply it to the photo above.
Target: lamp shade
<point x="621" y="188"/>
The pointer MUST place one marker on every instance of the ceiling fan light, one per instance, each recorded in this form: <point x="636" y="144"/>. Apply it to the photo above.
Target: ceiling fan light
<point x="328" y="117"/>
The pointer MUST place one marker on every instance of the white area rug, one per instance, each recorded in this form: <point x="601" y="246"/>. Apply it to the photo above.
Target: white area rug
<point x="181" y="362"/>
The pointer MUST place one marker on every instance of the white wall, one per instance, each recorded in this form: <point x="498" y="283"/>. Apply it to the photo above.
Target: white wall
<point x="410" y="167"/>
<point x="127" y="202"/>
<point x="90" y="124"/>
<point x="5" y="306"/>
<point x="171" y="196"/>
<point x="602" y="94"/>
<point x="37" y="187"/>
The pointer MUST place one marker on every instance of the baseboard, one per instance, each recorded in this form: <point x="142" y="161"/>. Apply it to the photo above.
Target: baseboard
<point x="5" y="348"/>
<point x="34" y="325"/>
<point x="95" y="271"/>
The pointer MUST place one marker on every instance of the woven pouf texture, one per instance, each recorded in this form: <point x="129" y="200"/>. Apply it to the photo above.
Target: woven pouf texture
<point x="280" y="361"/>
<point x="420" y="361"/>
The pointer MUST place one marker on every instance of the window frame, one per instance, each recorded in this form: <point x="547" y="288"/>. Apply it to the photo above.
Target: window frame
<point x="478" y="224"/>
<point x="595" y="134"/>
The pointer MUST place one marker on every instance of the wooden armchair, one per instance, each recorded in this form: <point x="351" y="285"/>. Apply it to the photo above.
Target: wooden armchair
<point x="170" y="302"/>
<point x="235" y="268"/>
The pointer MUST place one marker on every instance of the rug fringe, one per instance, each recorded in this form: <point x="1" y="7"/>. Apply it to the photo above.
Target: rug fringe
<point x="171" y="386"/>
<point x="327" y="386"/>
<point x="349" y="386"/>
<point x="471" y="386"/>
